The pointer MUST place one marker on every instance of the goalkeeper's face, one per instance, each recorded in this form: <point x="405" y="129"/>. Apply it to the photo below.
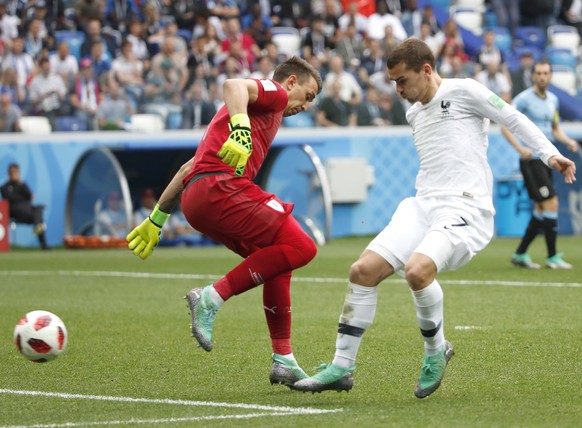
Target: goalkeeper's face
<point x="300" y="95"/>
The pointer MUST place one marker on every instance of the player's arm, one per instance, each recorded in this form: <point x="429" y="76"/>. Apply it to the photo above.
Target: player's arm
<point x="236" y="150"/>
<point x="561" y="136"/>
<point x="143" y="239"/>
<point x="524" y="152"/>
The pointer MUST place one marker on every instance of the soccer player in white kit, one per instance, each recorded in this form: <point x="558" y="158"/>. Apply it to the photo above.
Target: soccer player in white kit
<point x="445" y="224"/>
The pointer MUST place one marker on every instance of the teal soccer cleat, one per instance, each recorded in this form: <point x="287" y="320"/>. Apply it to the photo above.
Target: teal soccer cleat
<point x="285" y="371"/>
<point x="203" y="312"/>
<point x="330" y="378"/>
<point x="433" y="370"/>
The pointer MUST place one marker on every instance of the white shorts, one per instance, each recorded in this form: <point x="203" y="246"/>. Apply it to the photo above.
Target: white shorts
<point x="447" y="230"/>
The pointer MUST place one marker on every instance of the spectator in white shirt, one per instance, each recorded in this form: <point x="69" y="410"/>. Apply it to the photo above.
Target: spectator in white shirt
<point x="64" y="64"/>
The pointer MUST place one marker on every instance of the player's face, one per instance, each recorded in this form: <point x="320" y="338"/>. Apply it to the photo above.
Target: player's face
<point x="411" y="85"/>
<point x="541" y="76"/>
<point x="300" y="95"/>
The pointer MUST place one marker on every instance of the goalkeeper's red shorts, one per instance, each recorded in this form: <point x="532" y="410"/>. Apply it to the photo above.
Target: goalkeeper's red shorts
<point x="234" y="211"/>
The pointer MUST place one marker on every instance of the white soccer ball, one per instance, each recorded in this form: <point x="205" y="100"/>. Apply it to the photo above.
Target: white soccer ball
<point x="40" y="336"/>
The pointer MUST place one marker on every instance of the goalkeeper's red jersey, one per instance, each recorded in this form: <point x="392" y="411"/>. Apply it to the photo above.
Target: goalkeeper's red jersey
<point x="265" y="114"/>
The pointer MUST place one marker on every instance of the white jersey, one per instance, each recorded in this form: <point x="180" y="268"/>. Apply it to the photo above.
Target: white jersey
<point x="450" y="135"/>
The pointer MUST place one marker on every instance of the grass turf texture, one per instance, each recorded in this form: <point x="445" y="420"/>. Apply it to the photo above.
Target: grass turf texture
<point x="517" y="359"/>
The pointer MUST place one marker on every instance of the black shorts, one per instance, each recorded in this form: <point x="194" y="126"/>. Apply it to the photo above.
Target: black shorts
<point x="538" y="180"/>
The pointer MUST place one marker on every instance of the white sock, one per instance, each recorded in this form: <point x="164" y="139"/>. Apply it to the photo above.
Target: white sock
<point x="429" y="312"/>
<point x="357" y="315"/>
<point x="215" y="297"/>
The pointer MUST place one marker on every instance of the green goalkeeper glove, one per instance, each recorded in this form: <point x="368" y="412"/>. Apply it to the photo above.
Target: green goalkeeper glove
<point x="238" y="148"/>
<point x="144" y="238"/>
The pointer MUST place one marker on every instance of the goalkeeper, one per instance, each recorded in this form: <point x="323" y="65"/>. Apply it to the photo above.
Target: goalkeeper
<point x="220" y="199"/>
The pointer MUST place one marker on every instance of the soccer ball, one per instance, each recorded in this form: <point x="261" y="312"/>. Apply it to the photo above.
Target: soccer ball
<point x="40" y="336"/>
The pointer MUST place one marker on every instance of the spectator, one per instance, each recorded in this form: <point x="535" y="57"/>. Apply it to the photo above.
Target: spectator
<point x="249" y="47"/>
<point x="392" y="109"/>
<point x="351" y="47"/>
<point x="377" y="22"/>
<point x="265" y="69"/>
<point x="19" y="61"/>
<point x="382" y="82"/>
<point x="147" y="203"/>
<point x="93" y="34"/>
<point x="184" y="13"/>
<point x="372" y="59"/>
<point x="223" y="9"/>
<point x="180" y="43"/>
<point x="36" y="39"/>
<point x="119" y="12"/>
<point x="316" y="42"/>
<point x="354" y="17"/>
<point x="136" y="37"/>
<point x="112" y="220"/>
<point x="162" y="94"/>
<point x="154" y="31"/>
<point x="507" y="13"/>
<point x="412" y="18"/>
<point x="429" y="38"/>
<point x="257" y="25"/>
<point x="428" y="17"/>
<point x="351" y="91"/>
<point x="571" y="14"/>
<point x="64" y="64"/>
<point x="389" y="42"/>
<point x="369" y="113"/>
<point x="86" y="95"/>
<point x="128" y="71"/>
<point x="8" y="27"/>
<point x="291" y="14"/>
<point x="115" y="109"/>
<point x="47" y="92"/>
<point x="177" y="64"/>
<point x="19" y="197"/>
<point x="332" y="110"/>
<point x="488" y="52"/>
<point x="197" y="111"/>
<point x="18" y="93"/>
<point x="521" y="78"/>
<point x="495" y="80"/>
<point x="87" y="10"/>
<point x="101" y="64"/>
<point x="539" y="13"/>
<point x="9" y="114"/>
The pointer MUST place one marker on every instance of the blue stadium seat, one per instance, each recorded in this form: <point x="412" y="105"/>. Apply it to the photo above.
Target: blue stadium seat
<point x="503" y="39"/>
<point x="558" y="56"/>
<point x="534" y="51"/>
<point x="73" y="38"/>
<point x="70" y="124"/>
<point x="530" y="36"/>
<point x="185" y="34"/>
<point x="299" y="120"/>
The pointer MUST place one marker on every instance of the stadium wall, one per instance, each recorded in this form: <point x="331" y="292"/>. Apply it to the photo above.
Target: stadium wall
<point x="48" y="161"/>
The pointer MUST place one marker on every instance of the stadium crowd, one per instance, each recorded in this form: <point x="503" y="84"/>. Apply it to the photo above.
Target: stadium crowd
<point x="91" y="64"/>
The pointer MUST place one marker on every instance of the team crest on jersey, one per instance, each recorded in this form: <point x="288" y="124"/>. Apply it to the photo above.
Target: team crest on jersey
<point x="446" y="114"/>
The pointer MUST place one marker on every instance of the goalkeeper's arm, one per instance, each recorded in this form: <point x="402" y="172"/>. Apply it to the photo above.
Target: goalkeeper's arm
<point x="143" y="239"/>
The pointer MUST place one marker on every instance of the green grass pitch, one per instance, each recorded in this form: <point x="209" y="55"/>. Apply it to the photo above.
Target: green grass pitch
<point x="131" y="361"/>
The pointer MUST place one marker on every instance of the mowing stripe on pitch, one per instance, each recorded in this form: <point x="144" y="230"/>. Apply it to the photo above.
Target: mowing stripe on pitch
<point x="189" y="277"/>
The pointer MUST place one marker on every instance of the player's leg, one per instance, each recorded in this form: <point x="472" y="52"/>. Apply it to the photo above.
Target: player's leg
<point x="531" y="181"/>
<point x="377" y="262"/>
<point x="427" y="295"/>
<point x="550" y="227"/>
<point x="263" y="232"/>
<point x="277" y="304"/>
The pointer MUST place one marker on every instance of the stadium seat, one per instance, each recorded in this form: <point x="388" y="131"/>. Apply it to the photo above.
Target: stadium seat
<point x="35" y="125"/>
<point x="469" y="18"/>
<point x="73" y="38"/>
<point x="534" y="51"/>
<point x="564" y="78"/>
<point x="564" y="37"/>
<point x="70" y="124"/>
<point x="185" y="34"/>
<point x="470" y="3"/>
<point x="503" y="39"/>
<point x="287" y="40"/>
<point x="530" y="36"/>
<point x="146" y="123"/>
<point x="557" y="56"/>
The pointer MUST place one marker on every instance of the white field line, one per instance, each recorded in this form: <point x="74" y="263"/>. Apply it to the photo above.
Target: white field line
<point x="183" y="276"/>
<point x="266" y="410"/>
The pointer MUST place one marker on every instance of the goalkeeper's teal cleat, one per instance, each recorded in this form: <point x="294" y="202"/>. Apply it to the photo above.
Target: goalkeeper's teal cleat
<point x="330" y="378"/>
<point x="285" y="371"/>
<point x="557" y="262"/>
<point x="433" y="370"/>
<point x="203" y="312"/>
<point x="523" y="260"/>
